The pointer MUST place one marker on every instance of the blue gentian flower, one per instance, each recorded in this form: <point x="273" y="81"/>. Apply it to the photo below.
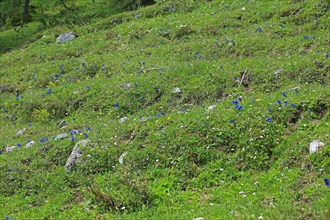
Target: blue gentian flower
<point x="17" y="96"/>
<point x="285" y="103"/>
<point x="163" y="113"/>
<point x="235" y="102"/>
<point x="85" y="135"/>
<point x="259" y="29"/>
<point x="18" y="145"/>
<point x="73" y="139"/>
<point x="279" y="102"/>
<point x="284" y="94"/>
<point x="232" y="121"/>
<point x="327" y="56"/>
<point x="88" y="129"/>
<point x="292" y="105"/>
<point x="270" y="111"/>
<point x="326" y="181"/>
<point x="268" y="119"/>
<point x="296" y="91"/>
<point x="306" y="37"/>
<point x="49" y="90"/>
<point x="155" y="89"/>
<point x="117" y="105"/>
<point x="239" y="107"/>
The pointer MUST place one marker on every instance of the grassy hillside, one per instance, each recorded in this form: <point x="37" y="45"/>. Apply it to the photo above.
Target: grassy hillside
<point x="192" y="108"/>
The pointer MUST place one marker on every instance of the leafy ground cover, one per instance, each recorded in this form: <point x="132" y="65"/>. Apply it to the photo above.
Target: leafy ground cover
<point x="193" y="109"/>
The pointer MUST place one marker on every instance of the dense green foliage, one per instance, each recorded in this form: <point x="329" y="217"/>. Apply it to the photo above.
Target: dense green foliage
<point x="193" y="109"/>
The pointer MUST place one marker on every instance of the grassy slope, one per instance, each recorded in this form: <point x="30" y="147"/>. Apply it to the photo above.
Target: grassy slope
<point x="182" y="160"/>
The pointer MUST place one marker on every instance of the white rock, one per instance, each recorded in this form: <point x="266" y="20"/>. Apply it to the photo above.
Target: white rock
<point x="199" y="218"/>
<point x="176" y="90"/>
<point x="75" y="154"/>
<point x="260" y="217"/>
<point x="20" y="132"/>
<point x="8" y="149"/>
<point x="241" y="192"/>
<point x="65" y="37"/>
<point x="60" y="136"/>
<point x="315" y="146"/>
<point x="121" y="158"/>
<point x="123" y="119"/>
<point x="30" y="144"/>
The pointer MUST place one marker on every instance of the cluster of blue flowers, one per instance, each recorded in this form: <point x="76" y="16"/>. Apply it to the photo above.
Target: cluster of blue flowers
<point x="237" y="106"/>
<point x="279" y="102"/>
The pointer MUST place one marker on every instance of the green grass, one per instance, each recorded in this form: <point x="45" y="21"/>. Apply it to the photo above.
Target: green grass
<point x="182" y="160"/>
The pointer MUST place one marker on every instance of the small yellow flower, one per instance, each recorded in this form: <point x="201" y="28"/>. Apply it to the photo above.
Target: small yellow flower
<point x="258" y="99"/>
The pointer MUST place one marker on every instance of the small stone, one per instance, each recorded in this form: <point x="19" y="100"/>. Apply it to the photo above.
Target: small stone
<point x="65" y="37"/>
<point x="260" y="217"/>
<point x="199" y="218"/>
<point x="20" y="132"/>
<point x="60" y="136"/>
<point x="315" y="146"/>
<point x="121" y="158"/>
<point x="75" y="154"/>
<point x="30" y="144"/>
<point x="8" y="149"/>
<point x="176" y="90"/>
<point x="241" y="192"/>
<point x="123" y="119"/>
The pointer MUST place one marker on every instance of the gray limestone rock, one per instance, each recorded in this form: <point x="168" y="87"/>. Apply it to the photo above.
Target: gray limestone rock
<point x="75" y="154"/>
<point x="30" y="144"/>
<point x="65" y="37"/>
<point x="60" y="136"/>
<point x="20" y="132"/>
<point x="8" y="149"/>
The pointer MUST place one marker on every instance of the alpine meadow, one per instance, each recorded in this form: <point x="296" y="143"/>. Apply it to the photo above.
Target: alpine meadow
<point x="164" y="110"/>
